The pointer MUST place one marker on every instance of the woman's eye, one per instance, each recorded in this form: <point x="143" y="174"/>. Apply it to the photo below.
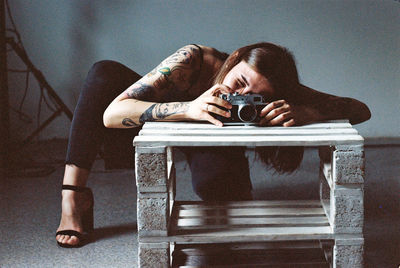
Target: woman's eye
<point x="240" y="83"/>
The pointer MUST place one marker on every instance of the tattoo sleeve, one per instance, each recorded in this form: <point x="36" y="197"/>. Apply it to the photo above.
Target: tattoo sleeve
<point x="147" y="116"/>
<point x="178" y="72"/>
<point x="161" y="111"/>
<point x="141" y="91"/>
<point x="129" y="122"/>
<point x="171" y="79"/>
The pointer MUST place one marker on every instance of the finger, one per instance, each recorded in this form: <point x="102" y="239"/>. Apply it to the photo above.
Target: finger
<point x="218" y="101"/>
<point x="221" y="102"/>
<point x="289" y="123"/>
<point x="216" y="110"/>
<point x="280" y="119"/>
<point x="205" y="106"/>
<point x="270" y="106"/>
<point x="212" y="120"/>
<point x="276" y="112"/>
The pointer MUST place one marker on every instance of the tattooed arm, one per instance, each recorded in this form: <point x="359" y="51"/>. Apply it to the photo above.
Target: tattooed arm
<point x="156" y="96"/>
<point x="151" y="98"/>
<point x="133" y="113"/>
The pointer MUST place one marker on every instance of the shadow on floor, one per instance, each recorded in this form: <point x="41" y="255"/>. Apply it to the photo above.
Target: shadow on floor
<point x="30" y="208"/>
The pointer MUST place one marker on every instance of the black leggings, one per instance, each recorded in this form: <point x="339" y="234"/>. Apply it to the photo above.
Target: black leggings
<point x="217" y="173"/>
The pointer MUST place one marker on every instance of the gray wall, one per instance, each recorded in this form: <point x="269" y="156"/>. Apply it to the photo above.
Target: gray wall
<point x="347" y="48"/>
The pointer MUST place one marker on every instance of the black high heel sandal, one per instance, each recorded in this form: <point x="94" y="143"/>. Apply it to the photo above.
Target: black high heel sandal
<point x="86" y="218"/>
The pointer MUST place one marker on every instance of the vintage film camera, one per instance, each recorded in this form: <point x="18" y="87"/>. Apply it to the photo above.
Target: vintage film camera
<point x="245" y="109"/>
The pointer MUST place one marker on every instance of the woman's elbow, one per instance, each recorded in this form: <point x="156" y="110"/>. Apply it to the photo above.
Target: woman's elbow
<point x="108" y="119"/>
<point x="362" y="114"/>
<point x="366" y="113"/>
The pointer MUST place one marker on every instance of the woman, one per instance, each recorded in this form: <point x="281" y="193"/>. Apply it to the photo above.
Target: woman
<point x="185" y="86"/>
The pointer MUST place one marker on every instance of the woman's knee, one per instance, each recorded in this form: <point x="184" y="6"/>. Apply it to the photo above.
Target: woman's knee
<point x="105" y="68"/>
<point x="219" y="173"/>
<point x="107" y="79"/>
<point x="115" y="70"/>
<point x="105" y="72"/>
<point x="212" y="183"/>
<point x="205" y="185"/>
<point x="217" y="187"/>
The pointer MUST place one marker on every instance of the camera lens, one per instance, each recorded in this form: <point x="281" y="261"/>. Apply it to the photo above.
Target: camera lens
<point x="247" y="113"/>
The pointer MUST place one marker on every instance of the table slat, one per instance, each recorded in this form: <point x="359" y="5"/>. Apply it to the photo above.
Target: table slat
<point x="279" y="140"/>
<point x="206" y="125"/>
<point x="247" y="132"/>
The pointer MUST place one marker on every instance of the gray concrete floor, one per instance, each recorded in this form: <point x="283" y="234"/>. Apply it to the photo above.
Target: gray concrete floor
<point x="30" y="208"/>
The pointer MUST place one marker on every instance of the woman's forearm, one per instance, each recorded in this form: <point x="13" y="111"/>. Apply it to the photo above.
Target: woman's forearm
<point x="329" y="107"/>
<point x="333" y="107"/>
<point x="130" y="113"/>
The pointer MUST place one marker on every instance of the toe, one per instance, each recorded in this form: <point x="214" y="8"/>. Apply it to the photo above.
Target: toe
<point x="60" y="238"/>
<point x="65" y="239"/>
<point x="73" y="240"/>
<point x="68" y="240"/>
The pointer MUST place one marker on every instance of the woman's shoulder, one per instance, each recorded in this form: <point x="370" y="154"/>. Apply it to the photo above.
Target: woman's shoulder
<point x="212" y="60"/>
<point x="207" y="53"/>
<point x="213" y="52"/>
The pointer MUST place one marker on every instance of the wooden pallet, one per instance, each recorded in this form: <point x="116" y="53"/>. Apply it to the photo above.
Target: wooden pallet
<point x="303" y="254"/>
<point x="186" y="234"/>
<point x="202" y="222"/>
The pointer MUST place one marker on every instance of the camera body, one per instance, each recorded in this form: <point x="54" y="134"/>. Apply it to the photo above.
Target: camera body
<point x="245" y="109"/>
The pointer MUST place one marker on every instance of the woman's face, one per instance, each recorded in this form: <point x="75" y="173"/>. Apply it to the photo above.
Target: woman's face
<point x="244" y="80"/>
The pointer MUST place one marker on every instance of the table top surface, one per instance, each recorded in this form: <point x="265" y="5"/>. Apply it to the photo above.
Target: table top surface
<point x="205" y="134"/>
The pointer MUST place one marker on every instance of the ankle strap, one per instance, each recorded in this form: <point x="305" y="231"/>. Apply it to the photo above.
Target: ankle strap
<point x="75" y="188"/>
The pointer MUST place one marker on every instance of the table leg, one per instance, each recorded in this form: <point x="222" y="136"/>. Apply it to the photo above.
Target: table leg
<point x="348" y="252"/>
<point x="155" y="180"/>
<point x="154" y="255"/>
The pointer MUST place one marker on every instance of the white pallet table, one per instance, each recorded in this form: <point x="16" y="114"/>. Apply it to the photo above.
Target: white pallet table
<point x="337" y="216"/>
<point x="198" y="134"/>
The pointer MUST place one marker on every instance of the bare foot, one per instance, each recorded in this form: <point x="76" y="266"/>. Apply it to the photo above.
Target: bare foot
<point x="73" y="204"/>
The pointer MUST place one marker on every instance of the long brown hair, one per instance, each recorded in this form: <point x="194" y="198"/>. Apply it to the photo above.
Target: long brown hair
<point x="277" y="64"/>
<point x="274" y="62"/>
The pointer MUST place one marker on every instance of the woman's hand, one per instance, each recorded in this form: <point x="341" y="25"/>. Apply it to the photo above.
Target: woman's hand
<point x="282" y="113"/>
<point x="207" y="103"/>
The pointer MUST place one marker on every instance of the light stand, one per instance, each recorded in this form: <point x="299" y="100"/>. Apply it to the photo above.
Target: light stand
<point x="42" y="81"/>
<point x="4" y="112"/>
<point x="5" y="148"/>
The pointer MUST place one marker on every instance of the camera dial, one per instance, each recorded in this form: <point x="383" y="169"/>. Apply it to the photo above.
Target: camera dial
<point x="247" y="112"/>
